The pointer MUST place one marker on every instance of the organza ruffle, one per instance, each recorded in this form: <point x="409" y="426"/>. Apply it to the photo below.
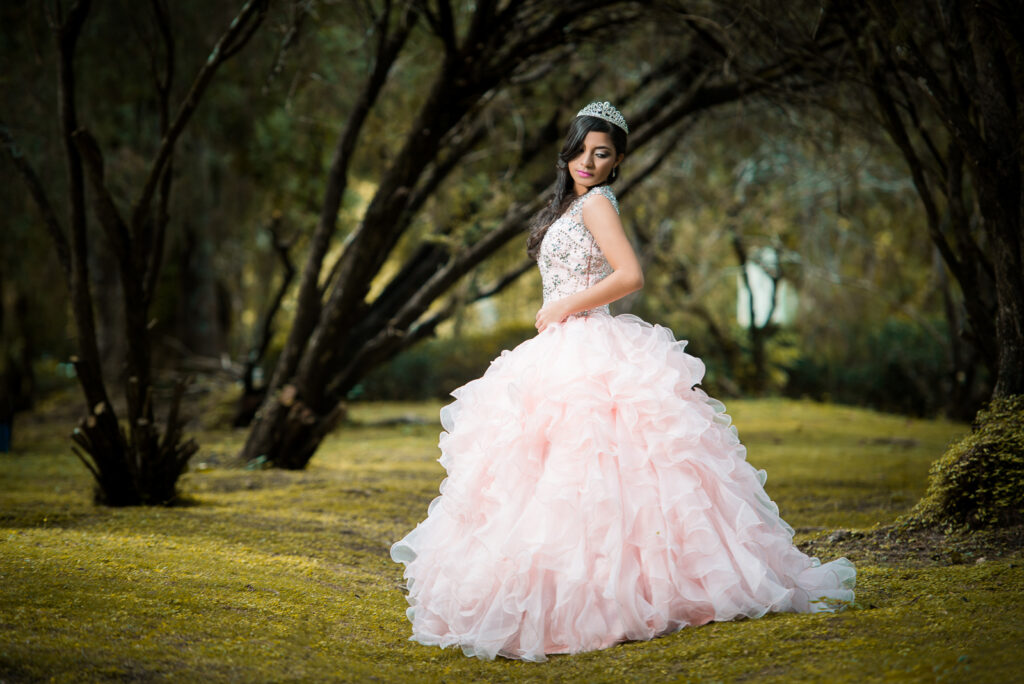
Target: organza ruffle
<point x="594" y="496"/>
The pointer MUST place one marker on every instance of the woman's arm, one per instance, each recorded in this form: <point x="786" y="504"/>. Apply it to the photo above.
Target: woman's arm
<point x="601" y="219"/>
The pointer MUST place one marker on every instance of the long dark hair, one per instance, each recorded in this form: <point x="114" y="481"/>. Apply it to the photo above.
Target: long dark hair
<point x="564" y="194"/>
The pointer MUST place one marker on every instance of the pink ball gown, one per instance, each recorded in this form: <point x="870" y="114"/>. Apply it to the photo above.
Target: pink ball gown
<point x="595" y="495"/>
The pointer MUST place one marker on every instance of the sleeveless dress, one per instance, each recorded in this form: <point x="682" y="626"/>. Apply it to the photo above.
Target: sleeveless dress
<point x="595" y="495"/>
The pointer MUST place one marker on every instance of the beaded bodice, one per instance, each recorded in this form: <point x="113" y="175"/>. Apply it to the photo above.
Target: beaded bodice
<point x="569" y="259"/>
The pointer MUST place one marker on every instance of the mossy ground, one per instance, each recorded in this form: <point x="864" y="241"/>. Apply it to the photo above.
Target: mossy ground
<point x="280" y="576"/>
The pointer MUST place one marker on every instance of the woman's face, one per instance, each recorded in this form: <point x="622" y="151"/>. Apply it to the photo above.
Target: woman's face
<point x="595" y="163"/>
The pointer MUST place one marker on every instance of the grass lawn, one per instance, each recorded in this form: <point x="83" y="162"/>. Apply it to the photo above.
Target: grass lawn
<point x="285" y="576"/>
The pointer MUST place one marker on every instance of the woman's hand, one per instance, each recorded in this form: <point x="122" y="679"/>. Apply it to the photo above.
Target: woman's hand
<point x="555" y="312"/>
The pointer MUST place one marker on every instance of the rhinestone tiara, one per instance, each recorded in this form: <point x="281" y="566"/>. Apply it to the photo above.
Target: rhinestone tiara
<point x="606" y="111"/>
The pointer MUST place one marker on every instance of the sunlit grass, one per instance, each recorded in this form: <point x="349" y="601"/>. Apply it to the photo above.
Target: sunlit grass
<point x="277" y="576"/>
<point x="835" y="466"/>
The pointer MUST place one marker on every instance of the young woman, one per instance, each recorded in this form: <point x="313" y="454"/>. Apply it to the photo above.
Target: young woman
<point x="595" y="494"/>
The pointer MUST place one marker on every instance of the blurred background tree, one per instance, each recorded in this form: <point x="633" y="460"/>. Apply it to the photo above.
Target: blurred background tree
<point x="947" y="82"/>
<point x="134" y="462"/>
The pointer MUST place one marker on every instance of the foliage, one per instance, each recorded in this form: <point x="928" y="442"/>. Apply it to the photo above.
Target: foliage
<point x="279" y="575"/>
<point x="979" y="482"/>
<point x="872" y="311"/>
<point x="895" y="367"/>
<point x="434" y="368"/>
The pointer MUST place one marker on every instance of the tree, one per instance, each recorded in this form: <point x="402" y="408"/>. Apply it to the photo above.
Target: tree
<point x="947" y="80"/>
<point x="339" y="333"/>
<point x="16" y="377"/>
<point x="140" y="465"/>
<point x="252" y="395"/>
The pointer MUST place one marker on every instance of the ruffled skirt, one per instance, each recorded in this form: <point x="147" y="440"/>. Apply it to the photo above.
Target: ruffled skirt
<point x="595" y="495"/>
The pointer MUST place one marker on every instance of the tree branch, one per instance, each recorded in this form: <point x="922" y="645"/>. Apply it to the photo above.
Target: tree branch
<point x="282" y="248"/>
<point x="896" y="129"/>
<point x="505" y="280"/>
<point x="300" y="10"/>
<point x="741" y="256"/>
<point x="460" y="84"/>
<point x="925" y="77"/>
<point x="425" y="328"/>
<point x="775" y="278"/>
<point x="150" y="247"/>
<point x="106" y="209"/>
<point x="446" y="26"/>
<point x="440" y="276"/>
<point x="959" y="219"/>
<point x="42" y="202"/>
<point x="637" y="177"/>
<point x="391" y="340"/>
<point x="88" y="366"/>
<point x="310" y="295"/>
<point x="237" y="34"/>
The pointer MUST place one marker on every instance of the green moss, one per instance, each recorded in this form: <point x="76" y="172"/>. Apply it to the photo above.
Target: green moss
<point x="979" y="482"/>
<point x="284" y="576"/>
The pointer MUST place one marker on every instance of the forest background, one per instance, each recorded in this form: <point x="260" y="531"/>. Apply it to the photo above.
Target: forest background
<point x="757" y="153"/>
<point x="773" y="212"/>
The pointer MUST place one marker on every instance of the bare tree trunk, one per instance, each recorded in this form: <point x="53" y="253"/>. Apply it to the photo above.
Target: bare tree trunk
<point x="1008" y="262"/>
<point x="962" y="402"/>
<point x="253" y="396"/>
<point x="997" y="45"/>
<point x="758" y="334"/>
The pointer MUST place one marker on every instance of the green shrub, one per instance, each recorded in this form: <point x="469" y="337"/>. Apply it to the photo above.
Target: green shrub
<point x="432" y="369"/>
<point x="979" y="482"/>
<point x="896" y="367"/>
